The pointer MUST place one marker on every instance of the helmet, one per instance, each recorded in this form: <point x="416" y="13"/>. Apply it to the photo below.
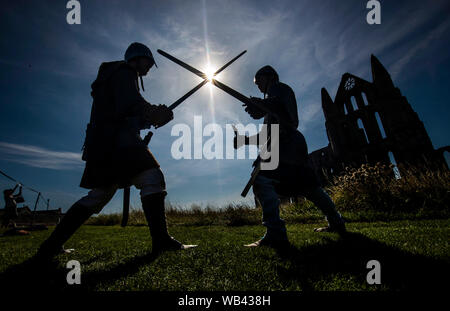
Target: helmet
<point x="137" y="49"/>
<point x="266" y="71"/>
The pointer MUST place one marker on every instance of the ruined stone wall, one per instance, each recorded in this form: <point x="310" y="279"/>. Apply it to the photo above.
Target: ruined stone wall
<point x="369" y="120"/>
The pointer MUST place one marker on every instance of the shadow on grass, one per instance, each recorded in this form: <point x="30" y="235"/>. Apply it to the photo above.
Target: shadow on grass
<point x="349" y="255"/>
<point x="52" y="276"/>
<point x="312" y="267"/>
<point x="127" y="268"/>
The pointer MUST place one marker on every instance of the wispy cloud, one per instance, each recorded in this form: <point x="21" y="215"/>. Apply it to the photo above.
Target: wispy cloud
<point x="40" y="157"/>
<point x="435" y="34"/>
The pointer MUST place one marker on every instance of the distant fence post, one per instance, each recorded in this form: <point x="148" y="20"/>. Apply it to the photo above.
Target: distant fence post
<point x="34" y="211"/>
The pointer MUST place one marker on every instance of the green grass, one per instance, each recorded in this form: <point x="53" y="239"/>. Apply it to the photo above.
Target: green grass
<point x="414" y="254"/>
<point x="239" y="215"/>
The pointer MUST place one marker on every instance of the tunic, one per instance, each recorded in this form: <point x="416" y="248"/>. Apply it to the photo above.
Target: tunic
<point x="114" y="150"/>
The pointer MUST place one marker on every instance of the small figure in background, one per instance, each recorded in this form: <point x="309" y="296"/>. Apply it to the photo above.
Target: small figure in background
<point x="11" y="201"/>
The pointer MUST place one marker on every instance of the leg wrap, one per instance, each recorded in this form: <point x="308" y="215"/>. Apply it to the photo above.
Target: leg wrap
<point x="153" y="206"/>
<point x="264" y="190"/>
<point x="73" y="219"/>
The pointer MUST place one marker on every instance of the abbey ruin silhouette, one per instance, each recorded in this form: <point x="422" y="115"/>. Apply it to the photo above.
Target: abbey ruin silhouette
<point x="369" y="120"/>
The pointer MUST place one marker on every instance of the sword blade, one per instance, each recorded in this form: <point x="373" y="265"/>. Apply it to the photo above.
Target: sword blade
<point x="239" y="96"/>
<point x="246" y="100"/>
<point x="229" y="63"/>
<point x="185" y="96"/>
<point x="183" y="64"/>
<point x="196" y="71"/>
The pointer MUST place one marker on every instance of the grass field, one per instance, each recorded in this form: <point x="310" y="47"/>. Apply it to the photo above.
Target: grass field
<point x="414" y="255"/>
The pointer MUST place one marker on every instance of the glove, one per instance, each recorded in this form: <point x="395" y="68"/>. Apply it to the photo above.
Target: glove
<point x="157" y="115"/>
<point x="253" y="110"/>
<point x="164" y="116"/>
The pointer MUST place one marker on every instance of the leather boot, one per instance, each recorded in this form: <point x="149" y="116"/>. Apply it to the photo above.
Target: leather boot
<point x="153" y="206"/>
<point x="74" y="218"/>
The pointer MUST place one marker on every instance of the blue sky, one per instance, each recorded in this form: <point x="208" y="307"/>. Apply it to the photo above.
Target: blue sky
<point x="47" y="66"/>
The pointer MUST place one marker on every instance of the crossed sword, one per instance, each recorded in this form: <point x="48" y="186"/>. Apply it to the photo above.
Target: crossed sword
<point x="246" y="100"/>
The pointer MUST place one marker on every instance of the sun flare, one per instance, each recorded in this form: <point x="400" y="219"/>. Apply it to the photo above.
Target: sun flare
<point x="209" y="71"/>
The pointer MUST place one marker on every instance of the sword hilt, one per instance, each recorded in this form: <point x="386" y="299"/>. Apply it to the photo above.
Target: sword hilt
<point x="148" y="137"/>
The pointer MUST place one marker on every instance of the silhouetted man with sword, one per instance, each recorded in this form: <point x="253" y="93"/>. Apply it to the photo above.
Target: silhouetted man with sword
<point x="293" y="176"/>
<point x="115" y="154"/>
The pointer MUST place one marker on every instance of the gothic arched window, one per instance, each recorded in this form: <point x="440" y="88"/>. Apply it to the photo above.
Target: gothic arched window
<point x="353" y="101"/>
<point x="361" y="126"/>
<point x="393" y="162"/>
<point x="364" y="96"/>
<point x="380" y="125"/>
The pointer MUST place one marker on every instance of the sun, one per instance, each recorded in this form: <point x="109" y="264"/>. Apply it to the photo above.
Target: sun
<point x="209" y="71"/>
